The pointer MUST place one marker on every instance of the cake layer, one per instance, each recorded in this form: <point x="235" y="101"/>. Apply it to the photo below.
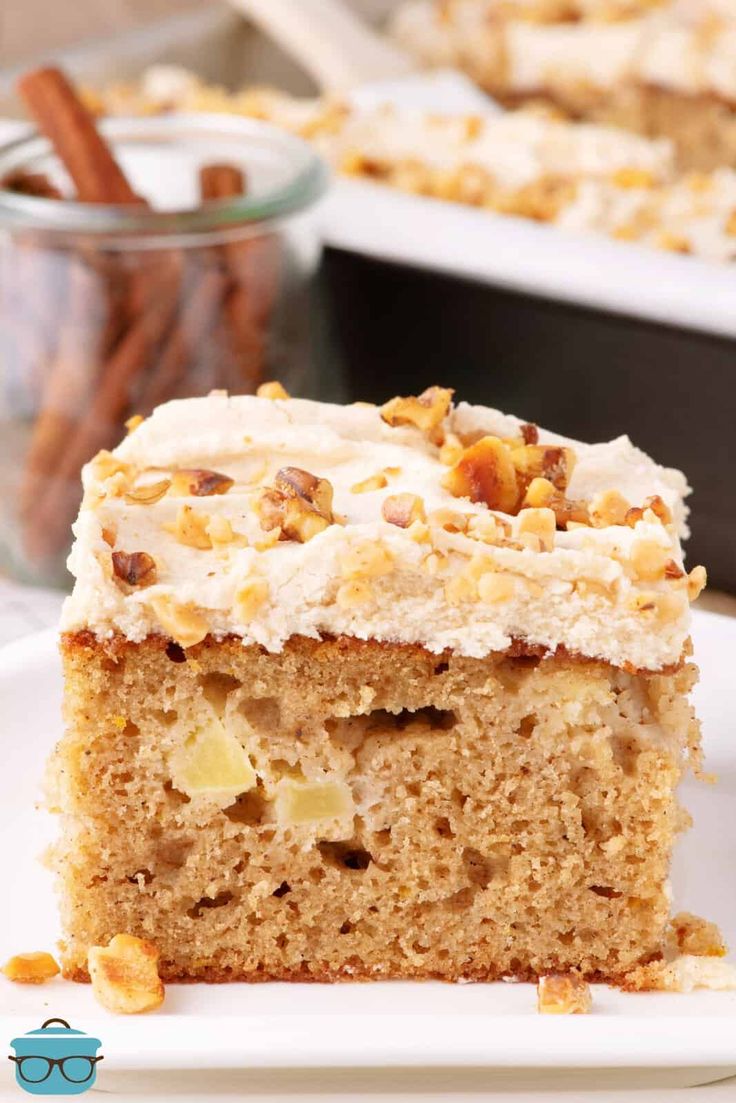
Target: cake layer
<point x="453" y="528"/>
<point x="348" y="809"/>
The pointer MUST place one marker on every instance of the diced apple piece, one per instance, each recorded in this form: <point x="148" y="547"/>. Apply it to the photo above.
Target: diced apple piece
<point x="300" y="802"/>
<point x="212" y="763"/>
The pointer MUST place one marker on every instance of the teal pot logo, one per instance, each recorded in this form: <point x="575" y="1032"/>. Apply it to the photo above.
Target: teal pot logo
<point x="55" y="1060"/>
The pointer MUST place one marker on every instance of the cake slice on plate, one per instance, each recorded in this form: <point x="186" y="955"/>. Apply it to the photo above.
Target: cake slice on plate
<point x="372" y="692"/>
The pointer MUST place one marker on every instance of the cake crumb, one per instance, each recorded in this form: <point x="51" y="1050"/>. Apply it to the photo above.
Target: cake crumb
<point x="563" y="994"/>
<point x="689" y="934"/>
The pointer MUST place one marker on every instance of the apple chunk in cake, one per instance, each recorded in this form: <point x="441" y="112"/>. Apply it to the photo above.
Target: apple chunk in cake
<point x="408" y="698"/>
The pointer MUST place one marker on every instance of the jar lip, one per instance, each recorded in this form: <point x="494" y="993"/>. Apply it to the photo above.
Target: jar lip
<point x="306" y="183"/>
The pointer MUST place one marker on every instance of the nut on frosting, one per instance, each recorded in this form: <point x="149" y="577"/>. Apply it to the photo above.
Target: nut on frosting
<point x="522" y="536"/>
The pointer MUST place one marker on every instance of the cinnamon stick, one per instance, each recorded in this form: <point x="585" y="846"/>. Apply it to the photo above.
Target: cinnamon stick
<point x="245" y="329"/>
<point x="63" y="118"/>
<point x="30" y="183"/>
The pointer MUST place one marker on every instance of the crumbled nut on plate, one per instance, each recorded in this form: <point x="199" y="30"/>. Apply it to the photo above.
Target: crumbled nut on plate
<point x="692" y="935"/>
<point x="33" y="968"/>
<point x="563" y="994"/>
<point x="125" y="976"/>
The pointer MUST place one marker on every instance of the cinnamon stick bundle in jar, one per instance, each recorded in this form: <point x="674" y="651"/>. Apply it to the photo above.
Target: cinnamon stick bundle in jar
<point x="114" y="300"/>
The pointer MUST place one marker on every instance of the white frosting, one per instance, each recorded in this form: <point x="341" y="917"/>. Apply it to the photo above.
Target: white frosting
<point x="515" y="148"/>
<point x="553" y="604"/>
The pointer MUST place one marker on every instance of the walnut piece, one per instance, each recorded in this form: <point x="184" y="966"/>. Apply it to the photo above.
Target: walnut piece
<point x="485" y="473"/>
<point x="299" y="504"/>
<point x="125" y="976"/>
<point x="271" y="390"/>
<point x="199" y="482"/>
<point x="250" y="597"/>
<point x="696" y="582"/>
<point x="182" y="622"/>
<point x="33" y="968"/>
<point x="148" y="493"/>
<point x="425" y="411"/>
<point x="190" y="528"/>
<point x="134" y="568"/>
<point x="373" y="482"/>
<point x="563" y="994"/>
<point x="133" y="422"/>
<point x="402" y="510"/>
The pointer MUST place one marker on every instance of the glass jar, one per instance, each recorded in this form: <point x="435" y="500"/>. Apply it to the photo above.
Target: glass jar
<point x="107" y="311"/>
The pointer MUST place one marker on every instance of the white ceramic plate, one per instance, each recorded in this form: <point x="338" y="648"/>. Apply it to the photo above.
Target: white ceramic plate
<point x="379" y="1025"/>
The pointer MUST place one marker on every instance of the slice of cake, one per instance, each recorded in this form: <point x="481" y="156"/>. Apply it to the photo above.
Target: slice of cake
<point x="373" y="692"/>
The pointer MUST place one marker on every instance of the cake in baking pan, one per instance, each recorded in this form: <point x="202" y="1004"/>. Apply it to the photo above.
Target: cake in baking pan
<point x="664" y="68"/>
<point x="373" y="692"/>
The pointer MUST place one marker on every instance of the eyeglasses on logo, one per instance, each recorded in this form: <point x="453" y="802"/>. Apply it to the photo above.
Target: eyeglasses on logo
<point x="55" y="1059"/>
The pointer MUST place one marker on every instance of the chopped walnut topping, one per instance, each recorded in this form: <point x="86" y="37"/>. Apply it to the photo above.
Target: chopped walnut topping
<point x="485" y="473"/>
<point x="608" y="508"/>
<point x="693" y="935"/>
<point x="425" y="411"/>
<point x="109" y="535"/>
<point x="34" y="968"/>
<point x="190" y="528"/>
<point x="541" y="523"/>
<point x="271" y="390"/>
<point x="250" y="597"/>
<point x="299" y="504"/>
<point x="403" y="510"/>
<point x="374" y="482"/>
<point x="182" y="622"/>
<point x="533" y="461"/>
<point x="134" y="568"/>
<point x="529" y="433"/>
<point x="296" y="483"/>
<point x="648" y="560"/>
<point x="104" y="465"/>
<point x="449" y="520"/>
<point x="486" y="528"/>
<point x="148" y="493"/>
<point x="654" y="505"/>
<point x="125" y="976"/>
<point x="133" y="422"/>
<point x="199" y="482"/>
<point x="434" y="563"/>
<point x="541" y="493"/>
<point x="366" y="561"/>
<point x="222" y="534"/>
<point x="563" y="994"/>
<point x="696" y="583"/>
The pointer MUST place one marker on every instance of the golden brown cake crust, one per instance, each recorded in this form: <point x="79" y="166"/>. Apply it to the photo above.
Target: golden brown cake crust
<point x="326" y="649"/>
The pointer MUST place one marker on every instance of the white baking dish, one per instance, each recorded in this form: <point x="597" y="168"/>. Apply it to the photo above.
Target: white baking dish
<point x="374" y="220"/>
